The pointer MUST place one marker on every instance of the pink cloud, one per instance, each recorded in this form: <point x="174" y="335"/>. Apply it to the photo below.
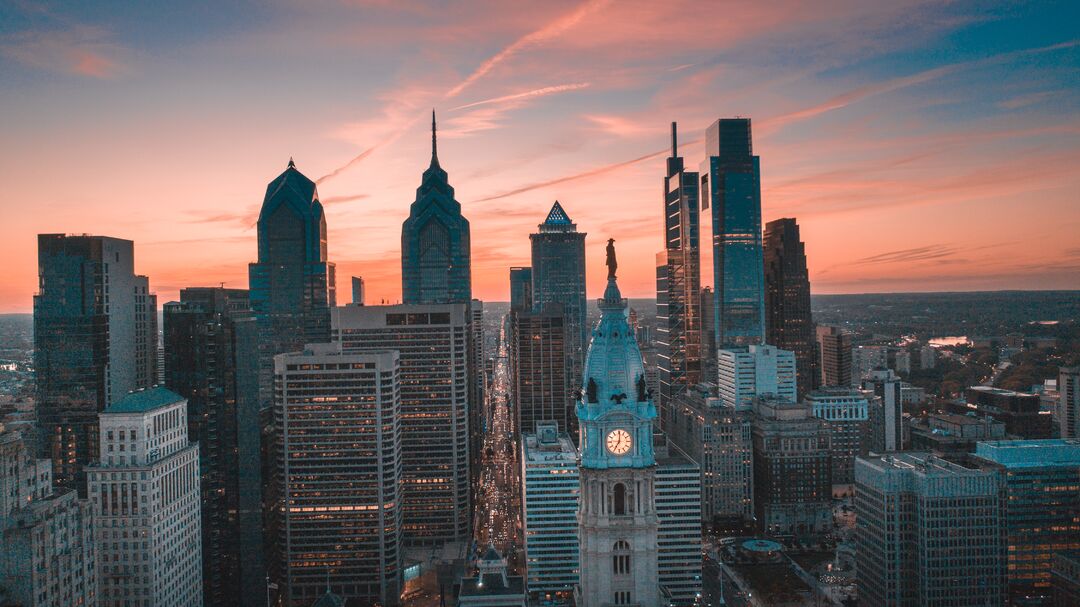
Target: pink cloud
<point x="80" y="51"/>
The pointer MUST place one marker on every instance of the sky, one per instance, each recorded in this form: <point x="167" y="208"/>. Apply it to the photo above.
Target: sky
<point x="922" y="146"/>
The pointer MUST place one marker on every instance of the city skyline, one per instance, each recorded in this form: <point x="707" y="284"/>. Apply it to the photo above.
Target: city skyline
<point x="155" y="140"/>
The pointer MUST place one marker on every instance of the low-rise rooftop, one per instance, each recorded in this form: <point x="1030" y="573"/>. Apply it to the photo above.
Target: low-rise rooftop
<point x="141" y="401"/>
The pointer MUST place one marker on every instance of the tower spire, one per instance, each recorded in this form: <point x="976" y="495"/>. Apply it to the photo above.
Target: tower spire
<point x="674" y="141"/>
<point x="434" y="145"/>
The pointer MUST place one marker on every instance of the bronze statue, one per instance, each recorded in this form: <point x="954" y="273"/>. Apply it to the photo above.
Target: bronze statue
<point x="612" y="264"/>
<point x="590" y="391"/>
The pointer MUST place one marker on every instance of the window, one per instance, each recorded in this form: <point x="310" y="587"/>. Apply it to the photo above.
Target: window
<point x="620" y="499"/>
<point x="620" y="558"/>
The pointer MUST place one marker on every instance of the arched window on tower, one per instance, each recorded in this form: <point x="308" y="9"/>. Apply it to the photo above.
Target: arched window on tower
<point x="620" y="558"/>
<point x="620" y="499"/>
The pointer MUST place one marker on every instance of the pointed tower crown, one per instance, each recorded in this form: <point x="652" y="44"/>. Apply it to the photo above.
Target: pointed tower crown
<point x="557" y="220"/>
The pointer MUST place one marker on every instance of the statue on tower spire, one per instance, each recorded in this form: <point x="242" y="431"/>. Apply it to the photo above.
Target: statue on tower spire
<point x="612" y="263"/>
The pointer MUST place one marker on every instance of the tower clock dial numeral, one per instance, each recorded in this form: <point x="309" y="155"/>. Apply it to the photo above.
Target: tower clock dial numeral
<point x="619" y="441"/>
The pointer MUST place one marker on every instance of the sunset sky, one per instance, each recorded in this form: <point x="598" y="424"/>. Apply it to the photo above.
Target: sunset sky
<point x="922" y="146"/>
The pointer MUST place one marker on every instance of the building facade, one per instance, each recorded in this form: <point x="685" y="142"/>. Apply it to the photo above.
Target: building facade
<point x="550" y="489"/>
<point x="846" y="415"/>
<point x="731" y="186"/>
<point x="678" y="538"/>
<point x="432" y="342"/>
<point x="338" y="463"/>
<point x="145" y="493"/>
<point x="1020" y="411"/>
<point x="788" y="322"/>
<point x="521" y="295"/>
<point x="746" y="373"/>
<point x="834" y="354"/>
<point x="539" y="369"/>
<point x="1068" y="405"/>
<point x="886" y="411"/>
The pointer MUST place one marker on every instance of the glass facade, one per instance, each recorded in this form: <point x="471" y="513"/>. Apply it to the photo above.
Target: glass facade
<point x="788" y="323"/>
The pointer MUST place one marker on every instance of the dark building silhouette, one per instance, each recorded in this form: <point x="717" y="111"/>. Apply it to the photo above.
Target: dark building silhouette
<point x="788" y="324"/>
<point x="678" y="284"/>
<point x="538" y="369"/>
<point x="211" y="347"/>
<point x="558" y="276"/>
<point x="94" y="320"/>
<point x="435" y="257"/>
<point x="521" y="288"/>
<point x="731" y="186"/>
<point x="292" y="285"/>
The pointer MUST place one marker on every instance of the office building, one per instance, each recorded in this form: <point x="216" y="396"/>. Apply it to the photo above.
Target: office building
<point x="521" y="289"/>
<point x="834" y="353"/>
<point x="92" y="325"/>
<point x="211" y="360"/>
<point x="1020" y="411"/>
<point x="788" y="322"/>
<point x="952" y="434"/>
<point x="357" y="290"/>
<point x="792" y="469"/>
<point x="1068" y="405"/>
<point x="338" y="466"/>
<point x="292" y="285"/>
<point x="47" y="552"/>
<point x="678" y="282"/>
<point x="886" y="427"/>
<point x="746" y="373"/>
<point x="558" y="276"/>
<point x="436" y="266"/>
<point x="145" y="493"/>
<point x="929" y="532"/>
<point x="492" y="586"/>
<point x="432" y="341"/>
<point x="678" y="538"/>
<point x="1042" y="506"/>
<point x="708" y="333"/>
<point x="845" y="413"/>
<point x="731" y="187"/>
<point x="617" y="517"/>
<point x="539" y="369"/>
<point x="1065" y="579"/>
<point x="550" y="488"/>
<point x="719" y="439"/>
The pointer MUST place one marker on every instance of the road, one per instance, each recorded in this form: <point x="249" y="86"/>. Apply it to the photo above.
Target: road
<point x="498" y="500"/>
<point x="713" y="587"/>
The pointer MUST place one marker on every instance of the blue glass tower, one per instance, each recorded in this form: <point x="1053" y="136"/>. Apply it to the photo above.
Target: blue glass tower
<point x="292" y="286"/>
<point x="436" y="265"/>
<point x="731" y="184"/>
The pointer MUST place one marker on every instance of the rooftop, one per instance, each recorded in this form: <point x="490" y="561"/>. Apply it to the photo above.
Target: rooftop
<point x="142" y="401"/>
<point x="1030" y="453"/>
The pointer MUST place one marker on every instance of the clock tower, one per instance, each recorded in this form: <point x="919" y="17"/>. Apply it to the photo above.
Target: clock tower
<point x="617" y="523"/>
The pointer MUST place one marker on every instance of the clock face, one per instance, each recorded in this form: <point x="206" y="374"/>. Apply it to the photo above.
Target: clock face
<point x="619" y="441"/>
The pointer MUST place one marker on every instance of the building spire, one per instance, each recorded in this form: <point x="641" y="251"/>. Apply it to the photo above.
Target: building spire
<point x="292" y="165"/>
<point x="674" y="141"/>
<point x="434" y="145"/>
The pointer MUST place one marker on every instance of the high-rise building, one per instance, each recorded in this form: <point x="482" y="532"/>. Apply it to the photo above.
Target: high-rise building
<point x="719" y="438"/>
<point x="292" y="284"/>
<point x="1042" y="506"/>
<point x="929" y="532"/>
<point x="92" y="329"/>
<point x="746" y="373"/>
<point x="886" y="411"/>
<point x="731" y="185"/>
<point x="678" y="538"/>
<point x="846" y="415"/>
<point x="477" y="390"/>
<point x="788" y="323"/>
<point x="432" y="341"/>
<point x="436" y="264"/>
<point x="865" y="359"/>
<point x="1021" y="411"/>
<point x="550" y="488"/>
<point x="521" y="288"/>
<point x="211" y="359"/>
<point x="357" y="290"/>
<point x="145" y="492"/>
<point x="558" y="276"/>
<point x="338" y="462"/>
<point x="47" y="551"/>
<point x="708" y="333"/>
<point x="678" y="282"/>
<point x="539" y="369"/>
<point x="792" y="469"/>
<point x="617" y="518"/>
<point x="1068" y="405"/>
<point x="834" y="354"/>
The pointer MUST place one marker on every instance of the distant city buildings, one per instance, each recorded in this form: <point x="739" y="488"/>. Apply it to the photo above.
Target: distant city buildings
<point x="865" y="359"/>
<point x="1020" y="411"/>
<point x="145" y="493"/>
<point x="338" y="472"/>
<point x="834" y="347"/>
<point x="788" y="322"/>
<point x="759" y="370"/>
<point x="550" y="490"/>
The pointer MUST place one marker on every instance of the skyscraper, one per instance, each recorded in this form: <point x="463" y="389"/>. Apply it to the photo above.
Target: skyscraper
<point x="678" y="538"/>
<point x="145" y="492"/>
<point x="834" y="347"/>
<point x="211" y="359"/>
<point x="550" y="488"/>
<point x="292" y="285"/>
<point x="539" y="370"/>
<point x="1068" y="406"/>
<point x="558" y="276"/>
<point x="433" y="353"/>
<point x="521" y="288"/>
<point x="678" y="285"/>
<point x="886" y="411"/>
<point x="731" y="185"/>
<point x="788" y="324"/>
<point x="617" y="518"/>
<point x="92" y="326"/>
<point x="746" y="373"/>
<point x="338" y="464"/>
<point x="435" y="255"/>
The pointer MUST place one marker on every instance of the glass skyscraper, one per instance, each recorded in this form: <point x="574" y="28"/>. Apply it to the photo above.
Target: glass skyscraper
<point x="558" y="276"/>
<point x="731" y="186"/>
<point x="789" y="325"/>
<point x="292" y="286"/>
<point x="435" y="257"/>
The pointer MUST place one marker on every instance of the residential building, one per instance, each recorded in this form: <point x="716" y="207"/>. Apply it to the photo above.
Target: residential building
<point x="746" y="373"/>
<point x="788" y="322"/>
<point x="145" y="493"/>
<point x="550" y="488"/>
<point x="338" y="466"/>
<point x="834" y="353"/>
<point x="845" y="412"/>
